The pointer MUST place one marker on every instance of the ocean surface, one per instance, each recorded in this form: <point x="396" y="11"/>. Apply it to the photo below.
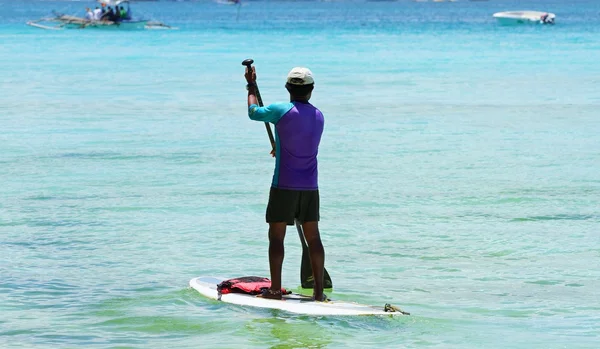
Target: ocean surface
<point x="459" y="174"/>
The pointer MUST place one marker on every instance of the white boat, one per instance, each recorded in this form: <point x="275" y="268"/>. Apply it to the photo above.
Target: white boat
<point x="63" y="21"/>
<point x="229" y="2"/>
<point x="524" y="17"/>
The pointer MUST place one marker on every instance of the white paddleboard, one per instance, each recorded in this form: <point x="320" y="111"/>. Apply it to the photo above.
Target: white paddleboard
<point x="294" y="303"/>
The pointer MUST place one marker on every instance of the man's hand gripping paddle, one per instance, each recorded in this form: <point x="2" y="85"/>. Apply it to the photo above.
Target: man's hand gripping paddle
<point x="306" y="277"/>
<point x="248" y="63"/>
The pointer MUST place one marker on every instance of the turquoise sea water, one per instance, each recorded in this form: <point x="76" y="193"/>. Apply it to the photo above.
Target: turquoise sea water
<point x="459" y="172"/>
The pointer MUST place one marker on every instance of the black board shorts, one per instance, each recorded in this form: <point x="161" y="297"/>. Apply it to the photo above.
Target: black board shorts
<point x="286" y="205"/>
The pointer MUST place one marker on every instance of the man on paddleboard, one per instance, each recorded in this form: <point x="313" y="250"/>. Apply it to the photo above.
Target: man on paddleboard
<point x="294" y="193"/>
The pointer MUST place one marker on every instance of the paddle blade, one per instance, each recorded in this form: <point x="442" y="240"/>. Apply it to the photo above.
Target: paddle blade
<point x="306" y="275"/>
<point x="306" y="278"/>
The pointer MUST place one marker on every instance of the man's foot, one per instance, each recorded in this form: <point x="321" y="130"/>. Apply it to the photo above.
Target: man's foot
<point x="323" y="298"/>
<point x="270" y="294"/>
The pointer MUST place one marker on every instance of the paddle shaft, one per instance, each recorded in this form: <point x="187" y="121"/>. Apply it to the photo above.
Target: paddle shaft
<point x="248" y="64"/>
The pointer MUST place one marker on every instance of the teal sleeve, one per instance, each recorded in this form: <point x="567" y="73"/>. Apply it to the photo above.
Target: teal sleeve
<point x="271" y="113"/>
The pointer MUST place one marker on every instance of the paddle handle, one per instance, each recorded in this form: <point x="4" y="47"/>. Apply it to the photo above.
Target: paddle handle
<point x="248" y="63"/>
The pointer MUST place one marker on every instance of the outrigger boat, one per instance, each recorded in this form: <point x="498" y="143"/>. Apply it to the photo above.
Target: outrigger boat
<point x="64" y="21"/>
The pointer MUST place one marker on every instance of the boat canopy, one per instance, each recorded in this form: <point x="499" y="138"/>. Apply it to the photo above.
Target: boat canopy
<point x="112" y="2"/>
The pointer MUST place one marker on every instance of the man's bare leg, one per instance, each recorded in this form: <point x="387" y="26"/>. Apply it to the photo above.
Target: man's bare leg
<point x="276" y="255"/>
<point x="317" y="256"/>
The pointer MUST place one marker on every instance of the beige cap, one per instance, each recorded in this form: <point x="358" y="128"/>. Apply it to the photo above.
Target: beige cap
<point x="300" y="76"/>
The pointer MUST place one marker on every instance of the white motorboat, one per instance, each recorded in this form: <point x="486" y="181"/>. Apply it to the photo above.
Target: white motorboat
<point x="524" y="17"/>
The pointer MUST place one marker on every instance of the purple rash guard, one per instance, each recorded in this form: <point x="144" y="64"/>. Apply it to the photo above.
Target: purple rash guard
<point x="298" y="130"/>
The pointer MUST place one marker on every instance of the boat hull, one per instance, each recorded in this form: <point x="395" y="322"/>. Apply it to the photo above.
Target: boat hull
<point x="524" y="17"/>
<point x="72" y="22"/>
<point x="123" y="25"/>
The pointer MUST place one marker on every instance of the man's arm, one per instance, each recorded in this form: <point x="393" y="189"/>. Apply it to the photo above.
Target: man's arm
<point x="271" y="113"/>
<point x="251" y="79"/>
<point x="252" y="95"/>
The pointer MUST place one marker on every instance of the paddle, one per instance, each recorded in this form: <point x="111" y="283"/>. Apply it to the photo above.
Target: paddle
<point x="306" y="278"/>
<point x="248" y="63"/>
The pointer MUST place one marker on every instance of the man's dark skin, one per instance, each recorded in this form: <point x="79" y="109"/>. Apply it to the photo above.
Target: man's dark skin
<point x="277" y="229"/>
